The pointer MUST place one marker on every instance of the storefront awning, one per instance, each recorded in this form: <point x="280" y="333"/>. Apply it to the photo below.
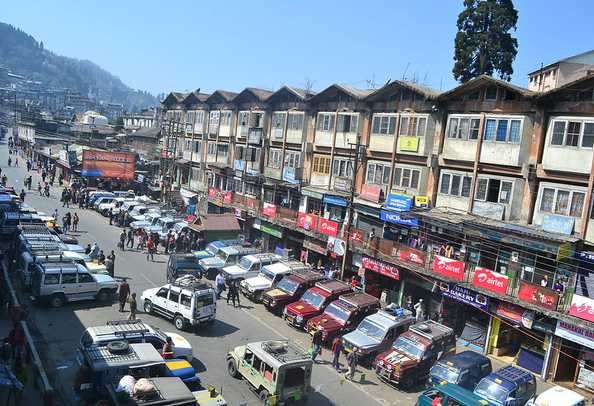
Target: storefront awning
<point x="213" y="222"/>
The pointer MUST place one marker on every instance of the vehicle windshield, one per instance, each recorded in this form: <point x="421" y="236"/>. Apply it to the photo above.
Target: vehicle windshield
<point x="159" y="334"/>
<point x="245" y="263"/>
<point x="408" y="347"/>
<point x="287" y="285"/>
<point x="313" y="299"/>
<point x="442" y="373"/>
<point x="372" y="329"/>
<point x="212" y="249"/>
<point x="337" y="313"/>
<point x="222" y="255"/>
<point x="491" y="391"/>
<point x="267" y="274"/>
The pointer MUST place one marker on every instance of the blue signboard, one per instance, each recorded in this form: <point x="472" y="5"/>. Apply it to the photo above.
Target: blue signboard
<point x="464" y="295"/>
<point x="239" y="165"/>
<point x="399" y="202"/>
<point x="395" y="218"/>
<point x="289" y="176"/>
<point x="585" y="256"/>
<point x="557" y="224"/>
<point x="92" y="172"/>
<point x="339" y="201"/>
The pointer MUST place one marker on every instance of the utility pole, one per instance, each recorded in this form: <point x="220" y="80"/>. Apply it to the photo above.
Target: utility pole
<point x="350" y="202"/>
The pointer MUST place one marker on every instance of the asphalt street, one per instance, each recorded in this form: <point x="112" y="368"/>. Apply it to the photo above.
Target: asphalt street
<point x="60" y="329"/>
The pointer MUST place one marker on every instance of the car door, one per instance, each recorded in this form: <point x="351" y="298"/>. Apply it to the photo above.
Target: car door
<point x="173" y="302"/>
<point x="68" y="285"/>
<point x="160" y="300"/>
<point x="86" y="285"/>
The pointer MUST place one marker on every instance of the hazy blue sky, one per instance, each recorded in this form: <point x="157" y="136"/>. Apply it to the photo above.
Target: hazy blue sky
<point x="182" y="45"/>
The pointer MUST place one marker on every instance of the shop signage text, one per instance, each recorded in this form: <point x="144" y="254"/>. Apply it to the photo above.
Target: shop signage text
<point x="449" y="267"/>
<point x="370" y="193"/>
<point x="342" y="184"/>
<point x="412" y="255"/>
<point x="464" y="295"/>
<point x="269" y="210"/>
<point x="586" y="256"/>
<point x="399" y="202"/>
<point x="421" y="201"/>
<point x="271" y="229"/>
<point x="239" y="165"/>
<point x="582" y="307"/>
<point x="409" y="144"/>
<point x="328" y="227"/>
<point x="538" y="295"/>
<point x="307" y="221"/>
<point x="311" y="193"/>
<point x="557" y="224"/>
<point x="108" y="164"/>
<point x="490" y="280"/>
<point x="216" y="195"/>
<point x="381" y="267"/>
<point x="289" y="176"/>
<point x="337" y="246"/>
<point x="516" y="314"/>
<point x="339" y="201"/>
<point x="395" y="218"/>
<point x="227" y="197"/>
<point x="574" y="333"/>
<point x="314" y="246"/>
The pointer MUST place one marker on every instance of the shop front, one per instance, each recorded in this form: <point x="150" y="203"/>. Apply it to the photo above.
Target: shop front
<point x="380" y="279"/>
<point x="314" y="252"/>
<point x="335" y="208"/>
<point x="572" y="357"/>
<point x="271" y="234"/>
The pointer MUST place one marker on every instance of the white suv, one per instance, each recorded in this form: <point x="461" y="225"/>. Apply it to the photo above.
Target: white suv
<point x="134" y="331"/>
<point x="187" y="301"/>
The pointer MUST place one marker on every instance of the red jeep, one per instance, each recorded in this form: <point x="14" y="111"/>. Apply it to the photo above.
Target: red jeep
<point x="290" y="289"/>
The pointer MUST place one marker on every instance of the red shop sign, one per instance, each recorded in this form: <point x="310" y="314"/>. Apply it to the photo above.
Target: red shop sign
<point x="490" y="280"/>
<point x="412" y="255"/>
<point x="449" y="267"/>
<point x="328" y="227"/>
<point x="307" y="221"/>
<point x="381" y="267"/>
<point x="269" y="210"/>
<point x="212" y="192"/>
<point x="539" y="295"/>
<point x="227" y="198"/>
<point x="370" y="193"/>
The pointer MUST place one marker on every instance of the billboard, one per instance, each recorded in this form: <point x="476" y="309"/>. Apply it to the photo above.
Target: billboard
<point x="105" y="164"/>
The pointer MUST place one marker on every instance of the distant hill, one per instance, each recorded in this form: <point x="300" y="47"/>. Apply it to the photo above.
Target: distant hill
<point x="23" y="55"/>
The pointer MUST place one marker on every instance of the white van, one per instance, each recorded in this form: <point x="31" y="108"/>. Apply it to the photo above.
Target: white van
<point x="25" y="264"/>
<point x="558" y="396"/>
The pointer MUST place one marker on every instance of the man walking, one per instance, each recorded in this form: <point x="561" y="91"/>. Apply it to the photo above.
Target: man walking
<point x="220" y="282"/>
<point x="122" y="240"/>
<point x="352" y="363"/>
<point x="130" y="242"/>
<point x="150" y="250"/>
<point x="124" y="291"/>
<point x="316" y="342"/>
<point x="336" y="349"/>
<point x="233" y="294"/>
<point x="133" y="307"/>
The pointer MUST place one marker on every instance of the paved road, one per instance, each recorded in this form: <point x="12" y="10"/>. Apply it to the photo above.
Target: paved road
<point x="61" y="328"/>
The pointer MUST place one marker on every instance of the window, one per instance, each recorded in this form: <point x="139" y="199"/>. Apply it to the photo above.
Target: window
<point x="491" y="93"/>
<point x="226" y="118"/>
<point x="378" y="173"/>
<point x="342" y="168"/>
<point x="406" y="178"/>
<point x="502" y="130"/>
<point x="292" y="159"/>
<point x="326" y="122"/>
<point x="174" y="296"/>
<point x="295" y="121"/>
<point x="565" y="202"/>
<point x="347" y="123"/>
<point x="223" y="150"/>
<point x="212" y="148"/>
<point x="197" y="146"/>
<point x="214" y="122"/>
<point x="474" y="96"/>
<point x="85" y="278"/>
<point x="69" y="278"/>
<point x="274" y="158"/>
<point x="384" y="125"/>
<point x="278" y="120"/>
<point x="163" y="293"/>
<point x="243" y="118"/>
<point x="321" y="165"/>
<point x="199" y="117"/>
<point x="464" y="128"/>
<point x="190" y="117"/>
<point x="455" y="185"/>
<point x="493" y="190"/>
<point x="573" y="134"/>
<point x="187" y="144"/>
<point x="412" y="126"/>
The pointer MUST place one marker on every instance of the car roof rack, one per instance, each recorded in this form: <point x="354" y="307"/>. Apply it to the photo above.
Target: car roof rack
<point x="191" y="282"/>
<point x="431" y="329"/>
<point x="285" y="350"/>
<point x="124" y="327"/>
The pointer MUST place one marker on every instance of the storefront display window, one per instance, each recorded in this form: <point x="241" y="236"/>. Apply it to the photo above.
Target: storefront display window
<point x="336" y="213"/>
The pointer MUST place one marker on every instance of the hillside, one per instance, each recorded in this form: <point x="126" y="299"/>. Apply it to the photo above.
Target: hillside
<point x="23" y="55"/>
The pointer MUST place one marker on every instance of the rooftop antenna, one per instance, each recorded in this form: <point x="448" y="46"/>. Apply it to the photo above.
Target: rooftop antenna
<point x="404" y="74"/>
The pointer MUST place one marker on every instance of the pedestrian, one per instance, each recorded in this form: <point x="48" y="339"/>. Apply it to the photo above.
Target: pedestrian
<point x="352" y="363"/>
<point x="372" y="234"/>
<point x="150" y="250"/>
<point x="139" y="240"/>
<point x="75" y="221"/>
<point x="168" y="348"/>
<point x="101" y="258"/>
<point x="130" y="236"/>
<point x="316" y="343"/>
<point x="220" y="282"/>
<point x="17" y="340"/>
<point x="20" y="372"/>
<point x="133" y="307"/>
<point x="419" y="310"/>
<point x="56" y="215"/>
<point x="233" y="294"/>
<point x="353" y="283"/>
<point x="123" y="292"/>
<point x="16" y="162"/>
<point x="95" y="251"/>
<point x="110" y="217"/>
<point x="23" y="195"/>
<point x="336" y="349"/>
<point x="6" y="351"/>
<point x="88" y="250"/>
<point x="122" y="241"/>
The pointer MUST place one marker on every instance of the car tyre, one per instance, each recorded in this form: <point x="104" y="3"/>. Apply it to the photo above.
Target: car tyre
<point x="103" y="295"/>
<point x="57" y="300"/>
<point x="257" y="297"/>
<point x="179" y="322"/>
<point x="408" y="382"/>
<point x="118" y="347"/>
<point x="148" y="307"/>
<point x="370" y="359"/>
<point x="232" y="368"/>
<point x="264" y="395"/>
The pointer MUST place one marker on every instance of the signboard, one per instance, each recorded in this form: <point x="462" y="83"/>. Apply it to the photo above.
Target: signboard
<point x="315" y="245"/>
<point x="586" y="256"/>
<point x="311" y="193"/>
<point x="395" y="218"/>
<point x="490" y="210"/>
<point x="516" y="314"/>
<point x="493" y="281"/>
<point x="269" y="210"/>
<point x="240" y="214"/>
<point x="239" y="165"/>
<point x="339" y="201"/>
<point x="575" y="334"/>
<point x="328" y="227"/>
<point x="227" y="197"/>
<point x="289" y="175"/>
<point x="108" y="164"/>
<point x="412" y="255"/>
<point x="342" y="184"/>
<point x="538" y="295"/>
<point x="409" y="144"/>
<point x="370" y="193"/>
<point x="216" y="195"/>
<point x="448" y="267"/>
<point x="399" y="202"/>
<point x="421" y="201"/>
<point x="271" y="229"/>
<point x="212" y="192"/>
<point x="381" y="267"/>
<point x="307" y="221"/>
<point x="557" y="224"/>
<point x="464" y="295"/>
<point x="582" y="307"/>
<point x="336" y="246"/>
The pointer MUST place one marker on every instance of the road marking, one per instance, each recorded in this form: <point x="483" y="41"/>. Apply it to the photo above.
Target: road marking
<point x="151" y="282"/>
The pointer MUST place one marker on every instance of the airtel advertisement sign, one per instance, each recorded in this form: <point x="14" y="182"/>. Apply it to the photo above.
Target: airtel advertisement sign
<point x="328" y="227"/>
<point x="307" y="221"/>
<point x="582" y="307"/>
<point x="269" y="210"/>
<point x="490" y="280"/>
<point x="449" y="267"/>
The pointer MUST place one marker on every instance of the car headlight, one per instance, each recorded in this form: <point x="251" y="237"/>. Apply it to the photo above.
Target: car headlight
<point x="362" y="351"/>
<point x="299" y="319"/>
<point x="273" y="302"/>
<point x="285" y="311"/>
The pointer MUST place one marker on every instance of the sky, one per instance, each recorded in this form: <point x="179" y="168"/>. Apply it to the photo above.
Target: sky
<point x="183" y="45"/>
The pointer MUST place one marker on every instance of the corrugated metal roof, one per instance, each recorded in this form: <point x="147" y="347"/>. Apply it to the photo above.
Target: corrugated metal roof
<point x="359" y="94"/>
<point x="217" y="222"/>
<point x="227" y="96"/>
<point x="149" y="132"/>
<point x="481" y="81"/>
<point x="388" y="89"/>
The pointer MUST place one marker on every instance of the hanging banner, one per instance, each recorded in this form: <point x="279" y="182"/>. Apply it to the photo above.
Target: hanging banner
<point x="370" y="193"/>
<point x="380" y="267"/>
<point x="307" y="221"/>
<point x="582" y="307"/>
<point x="337" y="246"/>
<point x="269" y="210"/>
<point x="516" y="314"/>
<point x="575" y="334"/>
<point x="328" y="227"/>
<point x="227" y="197"/>
<point x="493" y="281"/>
<point x="314" y="245"/>
<point x="464" y="295"/>
<point x="449" y="267"/>
<point x="108" y="164"/>
<point x="412" y="255"/>
<point x="538" y="295"/>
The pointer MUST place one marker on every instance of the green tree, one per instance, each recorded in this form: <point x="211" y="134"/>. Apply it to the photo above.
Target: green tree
<point x="119" y="124"/>
<point x="484" y="43"/>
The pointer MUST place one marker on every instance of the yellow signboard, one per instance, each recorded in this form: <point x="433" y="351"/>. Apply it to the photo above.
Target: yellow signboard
<point x="409" y="144"/>
<point x="421" y="201"/>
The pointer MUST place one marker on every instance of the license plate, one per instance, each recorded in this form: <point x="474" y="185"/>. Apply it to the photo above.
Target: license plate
<point x="290" y="319"/>
<point x="265" y="301"/>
